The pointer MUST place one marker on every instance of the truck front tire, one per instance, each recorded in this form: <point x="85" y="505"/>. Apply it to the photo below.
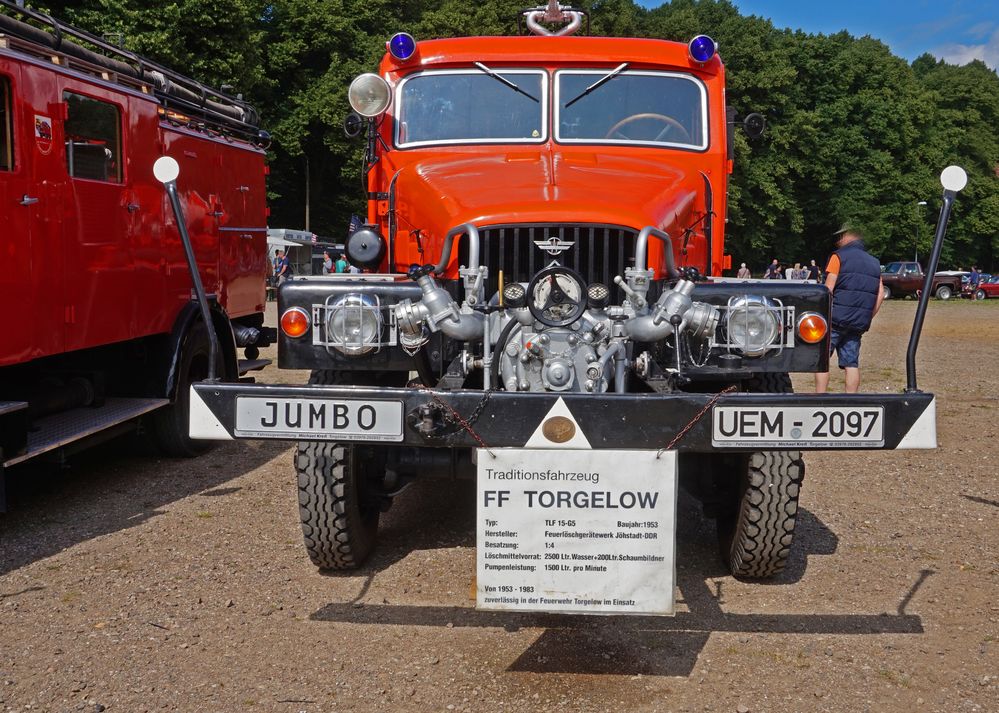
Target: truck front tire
<point x="339" y="501"/>
<point x="339" y="519"/>
<point x="756" y="534"/>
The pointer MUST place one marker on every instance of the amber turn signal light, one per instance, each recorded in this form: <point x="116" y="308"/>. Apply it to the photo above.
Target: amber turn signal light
<point x="295" y="322"/>
<point x="812" y="327"/>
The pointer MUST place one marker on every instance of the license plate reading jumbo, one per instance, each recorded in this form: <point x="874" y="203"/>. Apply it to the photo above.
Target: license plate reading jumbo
<point x="798" y="426"/>
<point x="344" y="419"/>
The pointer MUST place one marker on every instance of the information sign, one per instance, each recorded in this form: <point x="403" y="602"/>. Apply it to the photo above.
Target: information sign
<point x="581" y="531"/>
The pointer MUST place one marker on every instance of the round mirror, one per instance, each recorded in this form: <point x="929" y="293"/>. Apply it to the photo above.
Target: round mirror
<point x="353" y="125"/>
<point x="954" y="178"/>
<point x="754" y="124"/>
<point x="166" y="169"/>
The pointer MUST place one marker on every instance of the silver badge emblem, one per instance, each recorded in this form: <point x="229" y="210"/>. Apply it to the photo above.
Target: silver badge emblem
<point x="554" y="246"/>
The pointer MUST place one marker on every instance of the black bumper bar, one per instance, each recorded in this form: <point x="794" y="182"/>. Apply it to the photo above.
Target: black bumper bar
<point x="609" y="421"/>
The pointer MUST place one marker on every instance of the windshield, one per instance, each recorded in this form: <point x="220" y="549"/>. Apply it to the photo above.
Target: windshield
<point x="657" y="108"/>
<point x="471" y="106"/>
<point x="893" y="268"/>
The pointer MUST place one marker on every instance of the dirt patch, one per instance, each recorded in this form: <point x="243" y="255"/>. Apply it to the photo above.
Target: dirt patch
<point x="134" y="584"/>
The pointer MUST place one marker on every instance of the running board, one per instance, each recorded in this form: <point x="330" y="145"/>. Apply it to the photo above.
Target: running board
<point x="52" y="432"/>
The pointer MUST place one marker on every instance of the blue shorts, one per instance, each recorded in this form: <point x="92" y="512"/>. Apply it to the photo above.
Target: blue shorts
<point x="846" y="344"/>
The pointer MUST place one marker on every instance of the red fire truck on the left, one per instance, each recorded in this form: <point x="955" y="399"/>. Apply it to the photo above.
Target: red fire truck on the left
<point x="99" y="331"/>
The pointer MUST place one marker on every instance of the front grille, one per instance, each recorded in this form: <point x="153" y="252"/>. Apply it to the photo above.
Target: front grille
<point x="598" y="253"/>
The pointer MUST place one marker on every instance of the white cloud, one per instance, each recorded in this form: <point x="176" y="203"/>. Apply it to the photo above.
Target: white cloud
<point x="955" y="53"/>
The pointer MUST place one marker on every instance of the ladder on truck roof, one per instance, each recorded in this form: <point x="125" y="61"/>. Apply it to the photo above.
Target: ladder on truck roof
<point x="182" y="99"/>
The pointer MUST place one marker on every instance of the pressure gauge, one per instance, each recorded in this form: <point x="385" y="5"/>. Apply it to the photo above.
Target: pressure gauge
<point x="556" y="296"/>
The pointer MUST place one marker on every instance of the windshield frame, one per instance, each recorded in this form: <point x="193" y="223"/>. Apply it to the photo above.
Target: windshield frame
<point x="599" y="72"/>
<point x="544" y="101"/>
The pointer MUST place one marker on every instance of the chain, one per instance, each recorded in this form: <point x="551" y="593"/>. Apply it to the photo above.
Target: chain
<point x="466" y="423"/>
<point x="705" y="351"/>
<point x="695" y="419"/>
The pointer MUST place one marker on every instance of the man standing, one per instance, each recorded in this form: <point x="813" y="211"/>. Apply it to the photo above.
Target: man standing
<point x="773" y="271"/>
<point x="327" y="262"/>
<point x="744" y="273"/>
<point x="283" y="268"/>
<point x="813" y="272"/>
<point x="341" y="264"/>
<point x="854" y="278"/>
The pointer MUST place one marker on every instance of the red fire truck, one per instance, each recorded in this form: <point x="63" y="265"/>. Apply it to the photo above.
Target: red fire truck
<point x="99" y="325"/>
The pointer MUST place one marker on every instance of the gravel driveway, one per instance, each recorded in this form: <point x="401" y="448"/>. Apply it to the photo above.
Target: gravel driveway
<point x="131" y="583"/>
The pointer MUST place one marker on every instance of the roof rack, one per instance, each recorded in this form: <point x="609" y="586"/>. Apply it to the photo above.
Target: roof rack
<point x="184" y="98"/>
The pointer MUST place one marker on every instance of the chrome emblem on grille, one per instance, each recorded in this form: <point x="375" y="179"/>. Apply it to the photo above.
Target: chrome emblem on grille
<point x="554" y="246"/>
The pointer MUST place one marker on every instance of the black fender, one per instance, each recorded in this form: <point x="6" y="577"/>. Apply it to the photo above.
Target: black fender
<point x="190" y="315"/>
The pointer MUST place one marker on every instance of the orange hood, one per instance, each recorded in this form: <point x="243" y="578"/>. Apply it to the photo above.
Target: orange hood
<point x="538" y="186"/>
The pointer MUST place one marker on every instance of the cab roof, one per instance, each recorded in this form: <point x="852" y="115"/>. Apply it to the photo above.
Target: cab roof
<point x="532" y="50"/>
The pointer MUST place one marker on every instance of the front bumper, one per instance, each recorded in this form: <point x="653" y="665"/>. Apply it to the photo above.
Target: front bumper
<point x="623" y="421"/>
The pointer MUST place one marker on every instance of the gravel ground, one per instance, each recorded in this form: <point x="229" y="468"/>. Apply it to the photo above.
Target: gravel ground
<point x="129" y="583"/>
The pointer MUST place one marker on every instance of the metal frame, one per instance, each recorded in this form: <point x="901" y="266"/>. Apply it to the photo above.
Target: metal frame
<point x="321" y="314"/>
<point x="785" y="317"/>
<point x="543" y="101"/>
<point x="705" y="118"/>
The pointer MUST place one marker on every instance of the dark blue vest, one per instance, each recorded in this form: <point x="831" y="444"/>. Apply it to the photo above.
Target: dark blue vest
<point x="856" y="290"/>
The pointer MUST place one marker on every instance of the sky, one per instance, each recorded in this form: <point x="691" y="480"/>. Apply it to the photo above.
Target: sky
<point x="957" y="31"/>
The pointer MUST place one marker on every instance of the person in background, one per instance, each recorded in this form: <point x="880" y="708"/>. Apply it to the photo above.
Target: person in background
<point x="354" y="270"/>
<point x="744" y="272"/>
<point x="854" y="277"/>
<point x="975" y="277"/>
<point x="327" y="262"/>
<point x="283" y="270"/>
<point x="341" y="264"/>
<point x="773" y="271"/>
<point x="813" y="272"/>
<point x="797" y="273"/>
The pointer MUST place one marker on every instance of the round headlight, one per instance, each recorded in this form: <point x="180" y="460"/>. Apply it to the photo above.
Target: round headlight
<point x="753" y="325"/>
<point x="369" y="95"/>
<point x="354" y="324"/>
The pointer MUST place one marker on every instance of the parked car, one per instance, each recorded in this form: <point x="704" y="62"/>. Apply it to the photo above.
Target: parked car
<point x="987" y="286"/>
<point x="906" y="278"/>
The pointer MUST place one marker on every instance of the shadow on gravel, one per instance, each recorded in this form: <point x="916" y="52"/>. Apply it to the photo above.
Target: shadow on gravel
<point x="110" y="487"/>
<point x="624" y="645"/>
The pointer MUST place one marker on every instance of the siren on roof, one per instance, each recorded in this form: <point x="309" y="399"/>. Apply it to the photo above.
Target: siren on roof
<point x="702" y="48"/>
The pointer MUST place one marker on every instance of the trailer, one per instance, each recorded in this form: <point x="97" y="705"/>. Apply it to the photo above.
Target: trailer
<point x="100" y="329"/>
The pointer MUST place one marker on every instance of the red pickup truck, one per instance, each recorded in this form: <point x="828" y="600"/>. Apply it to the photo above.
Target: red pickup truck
<point x="906" y="278"/>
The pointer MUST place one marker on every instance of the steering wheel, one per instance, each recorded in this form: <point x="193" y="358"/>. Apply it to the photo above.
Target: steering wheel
<point x="670" y="124"/>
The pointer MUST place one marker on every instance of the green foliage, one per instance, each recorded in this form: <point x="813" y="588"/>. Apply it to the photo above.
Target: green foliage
<point x="855" y="133"/>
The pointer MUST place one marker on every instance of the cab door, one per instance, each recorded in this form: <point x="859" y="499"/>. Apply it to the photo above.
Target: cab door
<point x="31" y="277"/>
<point x="100" y="279"/>
<point x="15" y="212"/>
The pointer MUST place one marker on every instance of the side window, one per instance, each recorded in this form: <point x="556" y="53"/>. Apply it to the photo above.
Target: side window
<point x="6" y="127"/>
<point x="93" y="138"/>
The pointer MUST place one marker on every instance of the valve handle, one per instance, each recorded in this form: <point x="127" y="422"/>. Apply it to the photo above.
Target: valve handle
<point x="417" y="271"/>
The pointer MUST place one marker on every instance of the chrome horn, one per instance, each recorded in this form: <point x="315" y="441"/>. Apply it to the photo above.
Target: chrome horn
<point x="553" y="14"/>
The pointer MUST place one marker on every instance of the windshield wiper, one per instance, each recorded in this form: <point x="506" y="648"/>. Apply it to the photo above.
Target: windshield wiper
<point x="599" y="83"/>
<point x="505" y="81"/>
